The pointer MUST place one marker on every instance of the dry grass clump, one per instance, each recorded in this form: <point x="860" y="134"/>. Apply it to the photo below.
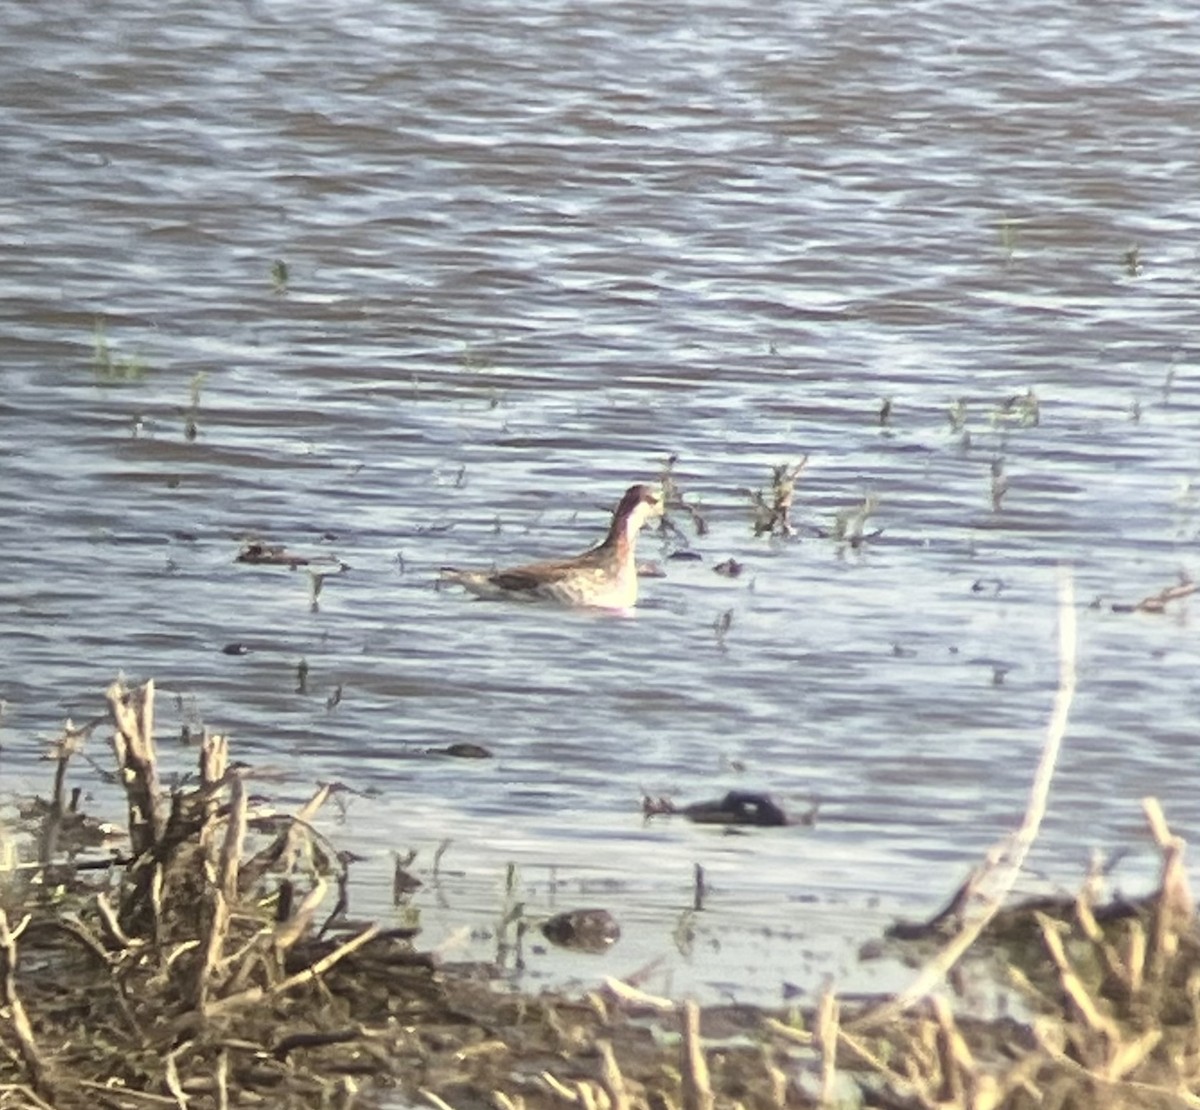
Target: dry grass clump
<point x="1116" y="1013"/>
<point x="201" y="968"/>
<point x="193" y="967"/>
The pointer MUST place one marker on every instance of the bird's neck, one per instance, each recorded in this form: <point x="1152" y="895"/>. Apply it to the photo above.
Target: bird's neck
<point x="622" y="537"/>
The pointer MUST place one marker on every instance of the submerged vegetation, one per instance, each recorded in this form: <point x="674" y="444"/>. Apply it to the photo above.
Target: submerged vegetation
<point x="192" y="412"/>
<point x="109" y="368"/>
<point x="773" y="507"/>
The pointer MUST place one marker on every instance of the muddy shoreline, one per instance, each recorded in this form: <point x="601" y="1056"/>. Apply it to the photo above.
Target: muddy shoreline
<point x="210" y="960"/>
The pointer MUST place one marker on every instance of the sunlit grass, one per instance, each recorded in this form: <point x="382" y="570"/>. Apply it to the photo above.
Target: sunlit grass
<point x="849" y="525"/>
<point x="190" y="428"/>
<point x="1007" y="231"/>
<point x="109" y="368"/>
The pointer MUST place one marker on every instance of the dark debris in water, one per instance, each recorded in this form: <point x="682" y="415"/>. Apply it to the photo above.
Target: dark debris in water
<point x="462" y="750"/>
<point x="270" y="555"/>
<point x="585" y="930"/>
<point x="1157" y="603"/>
<point x="738" y="807"/>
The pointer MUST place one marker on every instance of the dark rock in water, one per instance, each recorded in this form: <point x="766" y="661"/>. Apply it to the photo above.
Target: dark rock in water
<point x="730" y="568"/>
<point x="235" y="649"/>
<point x="738" y="807"/>
<point x="463" y="751"/>
<point x="265" y="554"/>
<point x="590" y="930"/>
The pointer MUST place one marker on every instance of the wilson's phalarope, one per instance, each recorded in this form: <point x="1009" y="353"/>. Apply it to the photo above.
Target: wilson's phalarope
<point x="603" y="577"/>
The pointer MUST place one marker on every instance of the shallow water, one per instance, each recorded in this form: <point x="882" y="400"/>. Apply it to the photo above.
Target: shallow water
<point x="530" y="254"/>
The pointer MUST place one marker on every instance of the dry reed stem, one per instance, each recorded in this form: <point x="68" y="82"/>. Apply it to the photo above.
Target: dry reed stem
<point x="132" y="714"/>
<point x="1177" y="1096"/>
<point x="109" y="923"/>
<point x="308" y="975"/>
<point x="214" y="762"/>
<point x="632" y="996"/>
<point x="827" y="1025"/>
<point x="790" y="1033"/>
<point x="235" y="839"/>
<point x="1132" y="1054"/>
<point x="158" y="879"/>
<point x="1113" y="962"/>
<point x="1073" y="986"/>
<point x="289" y="932"/>
<point x="64" y="747"/>
<point x="611" y="1077"/>
<point x="297" y="838"/>
<point x="434" y="1100"/>
<point x="857" y="1048"/>
<point x="18" y="1019"/>
<point x="1174" y="907"/>
<point x="1134" y="959"/>
<point x="171" y="1077"/>
<point x="26" y="1092"/>
<point x="960" y="1074"/>
<point x="1011" y="857"/>
<point x="697" y="1091"/>
<point x="309" y="810"/>
<point x="222" y="1079"/>
<point x="214" y="759"/>
<point x="222" y="893"/>
<point x="557" y="1087"/>
<point x="129" y="1093"/>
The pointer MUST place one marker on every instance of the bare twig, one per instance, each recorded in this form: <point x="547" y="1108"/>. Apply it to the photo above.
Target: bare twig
<point x="222" y="893"/>
<point x="132" y="714"/>
<point x="1011" y="856"/>
<point x="310" y="973"/>
<point x="287" y="933"/>
<point x="611" y="1077"/>
<point x="828" y="1024"/>
<point x="632" y="996"/>
<point x="434" y="1100"/>
<point x="127" y="1094"/>
<point x="171" y="1077"/>
<point x="309" y="810"/>
<point x="1173" y="908"/>
<point x="222" y="1080"/>
<point x="697" y="1091"/>
<point x="214" y="761"/>
<point x="1156" y="603"/>
<point x="35" y="1066"/>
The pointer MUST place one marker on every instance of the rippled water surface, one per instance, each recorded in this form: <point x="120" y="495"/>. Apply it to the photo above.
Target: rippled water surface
<point x="528" y="252"/>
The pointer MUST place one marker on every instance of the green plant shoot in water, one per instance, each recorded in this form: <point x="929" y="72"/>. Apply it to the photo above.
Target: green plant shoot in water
<point x="108" y="368"/>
